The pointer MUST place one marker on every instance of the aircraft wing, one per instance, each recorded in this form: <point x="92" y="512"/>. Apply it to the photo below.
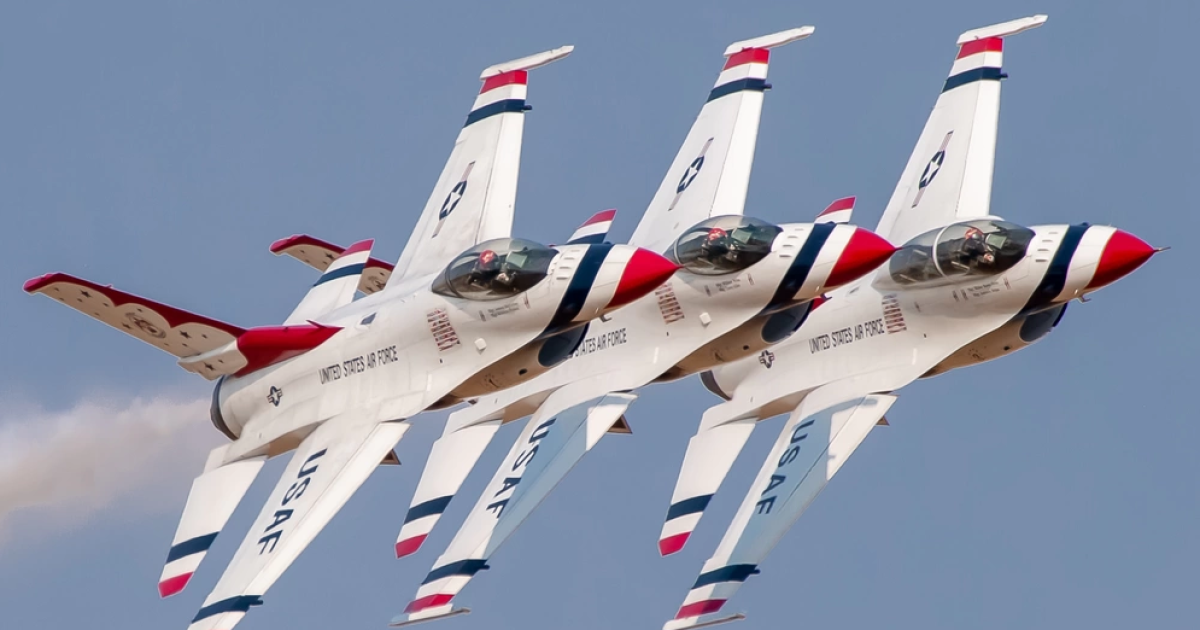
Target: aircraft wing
<point x="558" y="434"/>
<point x="475" y="194"/>
<point x="327" y="468"/>
<point x="320" y="254"/>
<point x="818" y="437"/>
<point x="949" y="175"/>
<point x="711" y="173"/>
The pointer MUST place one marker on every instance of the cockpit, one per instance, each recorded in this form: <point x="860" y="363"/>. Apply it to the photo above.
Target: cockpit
<point x="724" y="244"/>
<point x="982" y="247"/>
<point x="496" y="269"/>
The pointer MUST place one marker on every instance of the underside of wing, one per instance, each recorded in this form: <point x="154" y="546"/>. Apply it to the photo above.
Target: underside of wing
<point x="320" y="255"/>
<point x="711" y="173"/>
<point x="475" y="194"/>
<point x="327" y="468"/>
<point x="552" y="442"/>
<point x="815" y="441"/>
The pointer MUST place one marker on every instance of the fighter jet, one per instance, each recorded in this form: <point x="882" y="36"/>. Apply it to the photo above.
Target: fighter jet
<point x="743" y="285"/>
<point x="338" y="380"/>
<point x="965" y="287"/>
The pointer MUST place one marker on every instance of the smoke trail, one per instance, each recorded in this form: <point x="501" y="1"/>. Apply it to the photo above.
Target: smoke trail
<point x="71" y="464"/>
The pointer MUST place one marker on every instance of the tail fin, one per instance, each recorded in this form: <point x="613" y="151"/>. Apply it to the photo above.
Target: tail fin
<point x="949" y="175"/>
<point x="336" y="286"/>
<point x="214" y="496"/>
<point x="711" y="173"/>
<point x="594" y="230"/>
<point x="839" y="211"/>
<point x="320" y="254"/>
<point x="205" y="346"/>
<point x="475" y="194"/>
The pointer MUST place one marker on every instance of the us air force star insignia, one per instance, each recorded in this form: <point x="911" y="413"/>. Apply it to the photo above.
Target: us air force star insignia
<point x="932" y="168"/>
<point x="145" y="326"/>
<point x="452" y="199"/>
<point x="690" y="174"/>
<point x="767" y="358"/>
<point x="275" y="396"/>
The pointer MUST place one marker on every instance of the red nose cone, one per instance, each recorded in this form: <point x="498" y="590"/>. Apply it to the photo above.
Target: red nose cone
<point x="865" y="251"/>
<point x="643" y="273"/>
<point x="1123" y="253"/>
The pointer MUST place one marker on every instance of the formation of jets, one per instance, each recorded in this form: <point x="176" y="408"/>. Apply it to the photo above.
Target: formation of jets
<point x="823" y="321"/>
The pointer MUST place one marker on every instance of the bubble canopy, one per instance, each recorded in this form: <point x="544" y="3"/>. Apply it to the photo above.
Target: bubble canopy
<point x="724" y="244"/>
<point x="982" y="247"/>
<point x="495" y="269"/>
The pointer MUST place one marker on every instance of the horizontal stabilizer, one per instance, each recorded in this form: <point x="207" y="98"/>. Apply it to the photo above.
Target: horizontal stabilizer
<point x="214" y="496"/>
<point x="336" y="286"/>
<point x="594" y="230"/>
<point x="167" y="328"/>
<point x="839" y="211"/>
<point x="1003" y="29"/>
<point x="451" y="459"/>
<point x="431" y="614"/>
<point x="535" y="60"/>
<point x="320" y="254"/>
<point x="773" y="40"/>
<point x="710" y="455"/>
<point x="553" y="440"/>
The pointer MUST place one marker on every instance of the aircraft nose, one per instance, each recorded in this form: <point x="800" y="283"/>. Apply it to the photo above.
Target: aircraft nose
<point x="864" y="252"/>
<point x="642" y="274"/>
<point x="1122" y="254"/>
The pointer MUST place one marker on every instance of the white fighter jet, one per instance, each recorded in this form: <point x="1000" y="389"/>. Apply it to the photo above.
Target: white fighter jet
<point x="336" y="382"/>
<point x="743" y="285"/>
<point x="965" y="287"/>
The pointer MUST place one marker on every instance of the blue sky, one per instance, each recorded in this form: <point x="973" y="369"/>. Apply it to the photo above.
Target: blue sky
<point x="162" y="146"/>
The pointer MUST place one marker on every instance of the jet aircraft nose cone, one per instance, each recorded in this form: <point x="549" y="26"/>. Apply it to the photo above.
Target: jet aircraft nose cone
<point x="865" y="251"/>
<point x="1122" y="254"/>
<point x="642" y="274"/>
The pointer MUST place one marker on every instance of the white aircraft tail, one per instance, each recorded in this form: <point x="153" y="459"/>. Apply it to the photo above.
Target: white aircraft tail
<point x="336" y="286"/>
<point x="711" y="173"/>
<point x="214" y="496"/>
<point x="320" y="255"/>
<point x="949" y="175"/>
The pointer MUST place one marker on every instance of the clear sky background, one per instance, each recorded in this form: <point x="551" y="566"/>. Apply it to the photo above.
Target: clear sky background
<point x="162" y="146"/>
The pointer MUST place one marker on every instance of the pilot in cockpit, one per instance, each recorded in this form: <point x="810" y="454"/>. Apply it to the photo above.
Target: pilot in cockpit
<point x="489" y="273"/>
<point x="975" y="253"/>
<point x="719" y="245"/>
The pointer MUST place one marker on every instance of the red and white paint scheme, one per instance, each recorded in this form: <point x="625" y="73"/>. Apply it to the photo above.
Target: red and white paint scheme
<point x="595" y="229"/>
<point x="743" y="285"/>
<point x="965" y="287"/>
<point x="338" y="381"/>
<point x="839" y="211"/>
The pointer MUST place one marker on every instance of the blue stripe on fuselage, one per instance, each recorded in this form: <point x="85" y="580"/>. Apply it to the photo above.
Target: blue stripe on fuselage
<point x="577" y="291"/>
<point x="798" y="272"/>
<point x="1056" y="274"/>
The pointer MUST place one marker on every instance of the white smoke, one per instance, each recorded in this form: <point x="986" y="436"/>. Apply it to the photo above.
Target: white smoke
<point x="68" y="465"/>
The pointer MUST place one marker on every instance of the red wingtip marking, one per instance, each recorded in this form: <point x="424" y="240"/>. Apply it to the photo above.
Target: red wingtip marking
<point x="599" y="217"/>
<point x="361" y="246"/>
<point x="1122" y="254"/>
<point x="696" y="609"/>
<point x="171" y="586"/>
<point x="417" y="605"/>
<point x="409" y="546"/>
<point x="33" y="284"/>
<point x="846" y="203"/>
<point x="748" y="55"/>
<point x="518" y="77"/>
<point x="990" y="44"/>
<point x="672" y="544"/>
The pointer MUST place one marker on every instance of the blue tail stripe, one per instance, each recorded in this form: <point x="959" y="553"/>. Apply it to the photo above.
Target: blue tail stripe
<point x="733" y="87"/>
<point x="985" y="73"/>
<point x="511" y="105"/>
<point x="348" y="270"/>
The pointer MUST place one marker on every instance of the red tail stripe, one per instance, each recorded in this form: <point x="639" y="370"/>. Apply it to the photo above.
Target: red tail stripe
<point x="519" y="77"/>
<point x="846" y="203"/>
<point x="603" y="215"/>
<point x="989" y="44"/>
<point x="429" y="601"/>
<point x="695" y="609"/>
<point x="748" y="55"/>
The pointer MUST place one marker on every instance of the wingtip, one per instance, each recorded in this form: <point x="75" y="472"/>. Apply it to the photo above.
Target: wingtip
<point x="672" y="544"/>
<point x="33" y="284"/>
<point x="173" y="585"/>
<point x="409" y="546"/>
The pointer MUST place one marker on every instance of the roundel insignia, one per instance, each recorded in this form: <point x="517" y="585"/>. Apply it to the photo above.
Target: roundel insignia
<point x="690" y="174"/>
<point x="452" y="199"/>
<point x="931" y="169"/>
<point x="145" y="326"/>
